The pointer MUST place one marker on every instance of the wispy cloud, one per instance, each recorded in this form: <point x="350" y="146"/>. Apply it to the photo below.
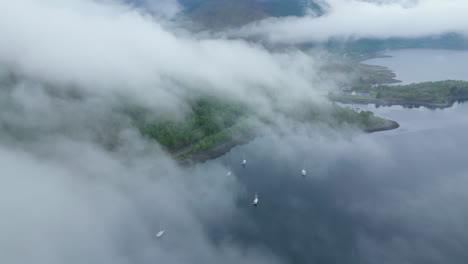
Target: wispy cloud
<point x="111" y="47"/>
<point x="353" y="19"/>
<point x="67" y="198"/>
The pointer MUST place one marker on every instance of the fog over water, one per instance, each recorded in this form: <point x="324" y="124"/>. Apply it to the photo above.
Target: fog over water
<point x="419" y="65"/>
<point x="80" y="184"/>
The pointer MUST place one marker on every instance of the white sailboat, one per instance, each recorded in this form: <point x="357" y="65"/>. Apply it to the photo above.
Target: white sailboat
<point x="304" y="172"/>
<point x="160" y="233"/>
<point x="255" y="201"/>
<point x="244" y="161"/>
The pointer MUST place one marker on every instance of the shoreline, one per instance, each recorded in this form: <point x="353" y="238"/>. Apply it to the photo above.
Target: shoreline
<point x="381" y="102"/>
<point x="375" y="74"/>
<point x="215" y="152"/>
<point x="389" y="125"/>
<point x="225" y="147"/>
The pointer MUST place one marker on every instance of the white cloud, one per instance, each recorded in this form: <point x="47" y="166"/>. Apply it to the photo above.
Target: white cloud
<point x="351" y="19"/>
<point x="67" y="199"/>
<point x="107" y="46"/>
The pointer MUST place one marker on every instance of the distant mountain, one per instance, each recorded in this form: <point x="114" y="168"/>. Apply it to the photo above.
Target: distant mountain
<point x="218" y="14"/>
<point x="221" y="14"/>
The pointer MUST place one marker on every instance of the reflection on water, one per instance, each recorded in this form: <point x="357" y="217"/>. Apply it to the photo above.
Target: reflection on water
<point x="419" y="65"/>
<point x="389" y="197"/>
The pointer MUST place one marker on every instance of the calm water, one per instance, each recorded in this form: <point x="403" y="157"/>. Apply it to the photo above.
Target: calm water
<point x="390" y="197"/>
<point x="418" y="65"/>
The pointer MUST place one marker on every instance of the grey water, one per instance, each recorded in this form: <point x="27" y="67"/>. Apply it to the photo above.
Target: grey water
<point x="397" y="196"/>
<point x="389" y="197"/>
<point x="418" y="65"/>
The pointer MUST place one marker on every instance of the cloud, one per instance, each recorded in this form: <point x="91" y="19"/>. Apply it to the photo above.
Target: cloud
<point x="80" y="185"/>
<point x="107" y="47"/>
<point x="353" y="19"/>
<point x="66" y="198"/>
<point x="89" y="207"/>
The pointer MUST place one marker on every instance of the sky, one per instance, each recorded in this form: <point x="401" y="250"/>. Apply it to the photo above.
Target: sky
<point x="81" y="185"/>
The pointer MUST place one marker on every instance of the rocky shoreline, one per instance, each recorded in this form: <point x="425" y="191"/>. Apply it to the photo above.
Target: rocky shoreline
<point x="389" y="125"/>
<point x="217" y="151"/>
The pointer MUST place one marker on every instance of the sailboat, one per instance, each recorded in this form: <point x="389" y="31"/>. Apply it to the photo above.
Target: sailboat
<point x="160" y="233"/>
<point x="244" y="161"/>
<point x="255" y="201"/>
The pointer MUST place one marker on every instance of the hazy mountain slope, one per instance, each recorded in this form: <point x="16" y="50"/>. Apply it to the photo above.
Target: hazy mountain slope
<point x="224" y="13"/>
<point x="216" y="14"/>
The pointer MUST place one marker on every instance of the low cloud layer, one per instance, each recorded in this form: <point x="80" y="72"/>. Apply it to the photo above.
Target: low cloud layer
<point x="79" y="184"/>
<point x="354" y="19"/>
<point x="109" y="47"/>
<point x="66" y="198"/>
<point x="382" y="197"/>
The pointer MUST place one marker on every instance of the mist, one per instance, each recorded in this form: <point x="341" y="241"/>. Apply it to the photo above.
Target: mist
<point x="355" y="19"/>
<point x="109" y="47"/>
<point x="80" y="184"/>
<point x="66" y="197"/>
